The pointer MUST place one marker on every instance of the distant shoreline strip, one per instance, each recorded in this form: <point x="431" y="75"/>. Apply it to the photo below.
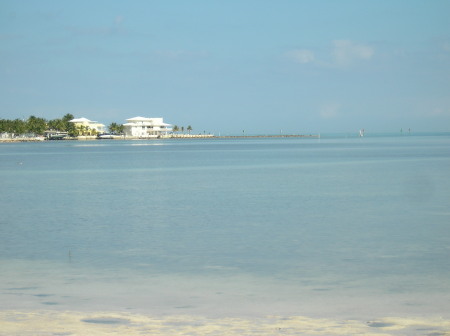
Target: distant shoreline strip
<point x="269" y="136"/>
<point x="178" y="136"/>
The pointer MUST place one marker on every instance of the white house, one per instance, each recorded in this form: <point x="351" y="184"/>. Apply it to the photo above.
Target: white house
<point x="87" y="126"/>
<point x="146" y="127"/>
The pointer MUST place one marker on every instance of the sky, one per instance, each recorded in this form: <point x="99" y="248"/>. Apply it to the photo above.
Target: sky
<point x="227" y="67"/>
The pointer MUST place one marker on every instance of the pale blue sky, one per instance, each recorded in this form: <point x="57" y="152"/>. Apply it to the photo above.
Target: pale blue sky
<point x="227" y="66"/>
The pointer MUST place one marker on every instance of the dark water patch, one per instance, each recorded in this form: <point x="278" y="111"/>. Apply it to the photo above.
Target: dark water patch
<point x="380" y="324"/>
<point x="43" y="295"/>
<point x="14" y="293"/>
<point x="321" y="289"/>
<point x="106" y="320"/>
<point x="184" y="307"/>
<point x="22" y="288"/>
<point x="50" y="303"/>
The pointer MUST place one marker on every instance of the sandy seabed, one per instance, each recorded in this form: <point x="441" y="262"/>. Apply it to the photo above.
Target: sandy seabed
<point x="71" y="323"/>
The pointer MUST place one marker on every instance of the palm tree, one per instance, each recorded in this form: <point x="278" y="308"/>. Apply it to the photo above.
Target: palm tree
<point x="189" y="129"/>
<point x="115" y="128"/>
<point x="175" y="128"/>
<point x="18" y="127"/>
<point x="112" y="127"/>
<point x="68" y="117"/>
<point x="56" y="125"/>
<point x="68" y="126"/>
<point x="182" y="129"/>
<point x="36" y="125"/>
<point x="81" y="130"/>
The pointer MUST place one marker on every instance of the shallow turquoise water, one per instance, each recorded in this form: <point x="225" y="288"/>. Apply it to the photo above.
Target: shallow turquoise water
<point x="265" y="224"/>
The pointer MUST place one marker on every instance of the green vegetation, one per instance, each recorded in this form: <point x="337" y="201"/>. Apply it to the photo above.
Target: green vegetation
<point x="176" y="128"/>
<point x="84" y="130"/>
<point x="115" y="128"/>
<point x="37" y="126"/>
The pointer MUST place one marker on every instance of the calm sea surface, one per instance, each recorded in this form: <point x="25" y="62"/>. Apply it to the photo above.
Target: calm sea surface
<point x="326" y="227"/>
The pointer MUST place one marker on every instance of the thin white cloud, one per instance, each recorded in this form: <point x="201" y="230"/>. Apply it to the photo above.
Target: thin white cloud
<point x="329" y="110"/>
<point x="439" y="112"/>
<point x="346" y="52"/>
<point x="118" y="20"/>
<point x="302" y="56"/>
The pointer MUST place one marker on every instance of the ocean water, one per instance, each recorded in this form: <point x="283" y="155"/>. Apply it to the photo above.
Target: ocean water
<point x="353" y="228"/>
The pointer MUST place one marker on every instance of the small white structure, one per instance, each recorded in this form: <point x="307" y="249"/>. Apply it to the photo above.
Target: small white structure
<point x="88" y="125"/>
<point x="141" y="127"/>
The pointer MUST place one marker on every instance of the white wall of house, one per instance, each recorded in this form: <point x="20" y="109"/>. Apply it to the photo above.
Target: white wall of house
<point x="93" y="125"/>
<point x="146" y="127"/>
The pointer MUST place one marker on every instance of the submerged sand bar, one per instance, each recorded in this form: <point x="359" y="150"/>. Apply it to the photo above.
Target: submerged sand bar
<point x="27" y="323"/>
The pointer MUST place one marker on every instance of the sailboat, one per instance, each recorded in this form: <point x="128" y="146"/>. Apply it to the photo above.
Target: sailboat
<point x="361" y="132"/>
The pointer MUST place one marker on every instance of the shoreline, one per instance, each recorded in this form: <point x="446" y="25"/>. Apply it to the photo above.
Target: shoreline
<point x="269" y="136"/>
<point x="52" y="322"/>
<point x="177" y="136"/>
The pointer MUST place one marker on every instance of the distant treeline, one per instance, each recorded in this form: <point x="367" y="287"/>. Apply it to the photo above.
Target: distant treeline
<point x="38" y="126"/>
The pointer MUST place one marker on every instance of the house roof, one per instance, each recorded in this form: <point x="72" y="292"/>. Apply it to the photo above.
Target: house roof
<point x="81" y="120"/>
<point x="139" y="119"/>
<point x="146" y="124"/>
<point x="143" y="121"/>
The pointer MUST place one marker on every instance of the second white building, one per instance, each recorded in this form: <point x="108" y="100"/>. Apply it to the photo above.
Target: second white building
<point x="141" y="127"/>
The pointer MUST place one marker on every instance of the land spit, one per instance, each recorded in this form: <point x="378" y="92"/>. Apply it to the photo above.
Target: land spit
<point x="175" y="136"/>
<point x="269" y="136"/>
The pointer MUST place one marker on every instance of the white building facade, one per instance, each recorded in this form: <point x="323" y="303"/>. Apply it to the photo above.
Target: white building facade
<point x="88" y="125"/>
<point x="140" y="127"/>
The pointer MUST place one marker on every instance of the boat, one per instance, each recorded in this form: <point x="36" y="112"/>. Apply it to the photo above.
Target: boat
<point x="55" y="135"/>
<point x="105" y="136"/>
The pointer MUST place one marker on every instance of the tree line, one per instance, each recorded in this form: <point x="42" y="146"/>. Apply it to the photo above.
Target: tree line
<point x="37" y="126"/>
<point x="115" y="128"/>
<point x="177" y="129"/>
